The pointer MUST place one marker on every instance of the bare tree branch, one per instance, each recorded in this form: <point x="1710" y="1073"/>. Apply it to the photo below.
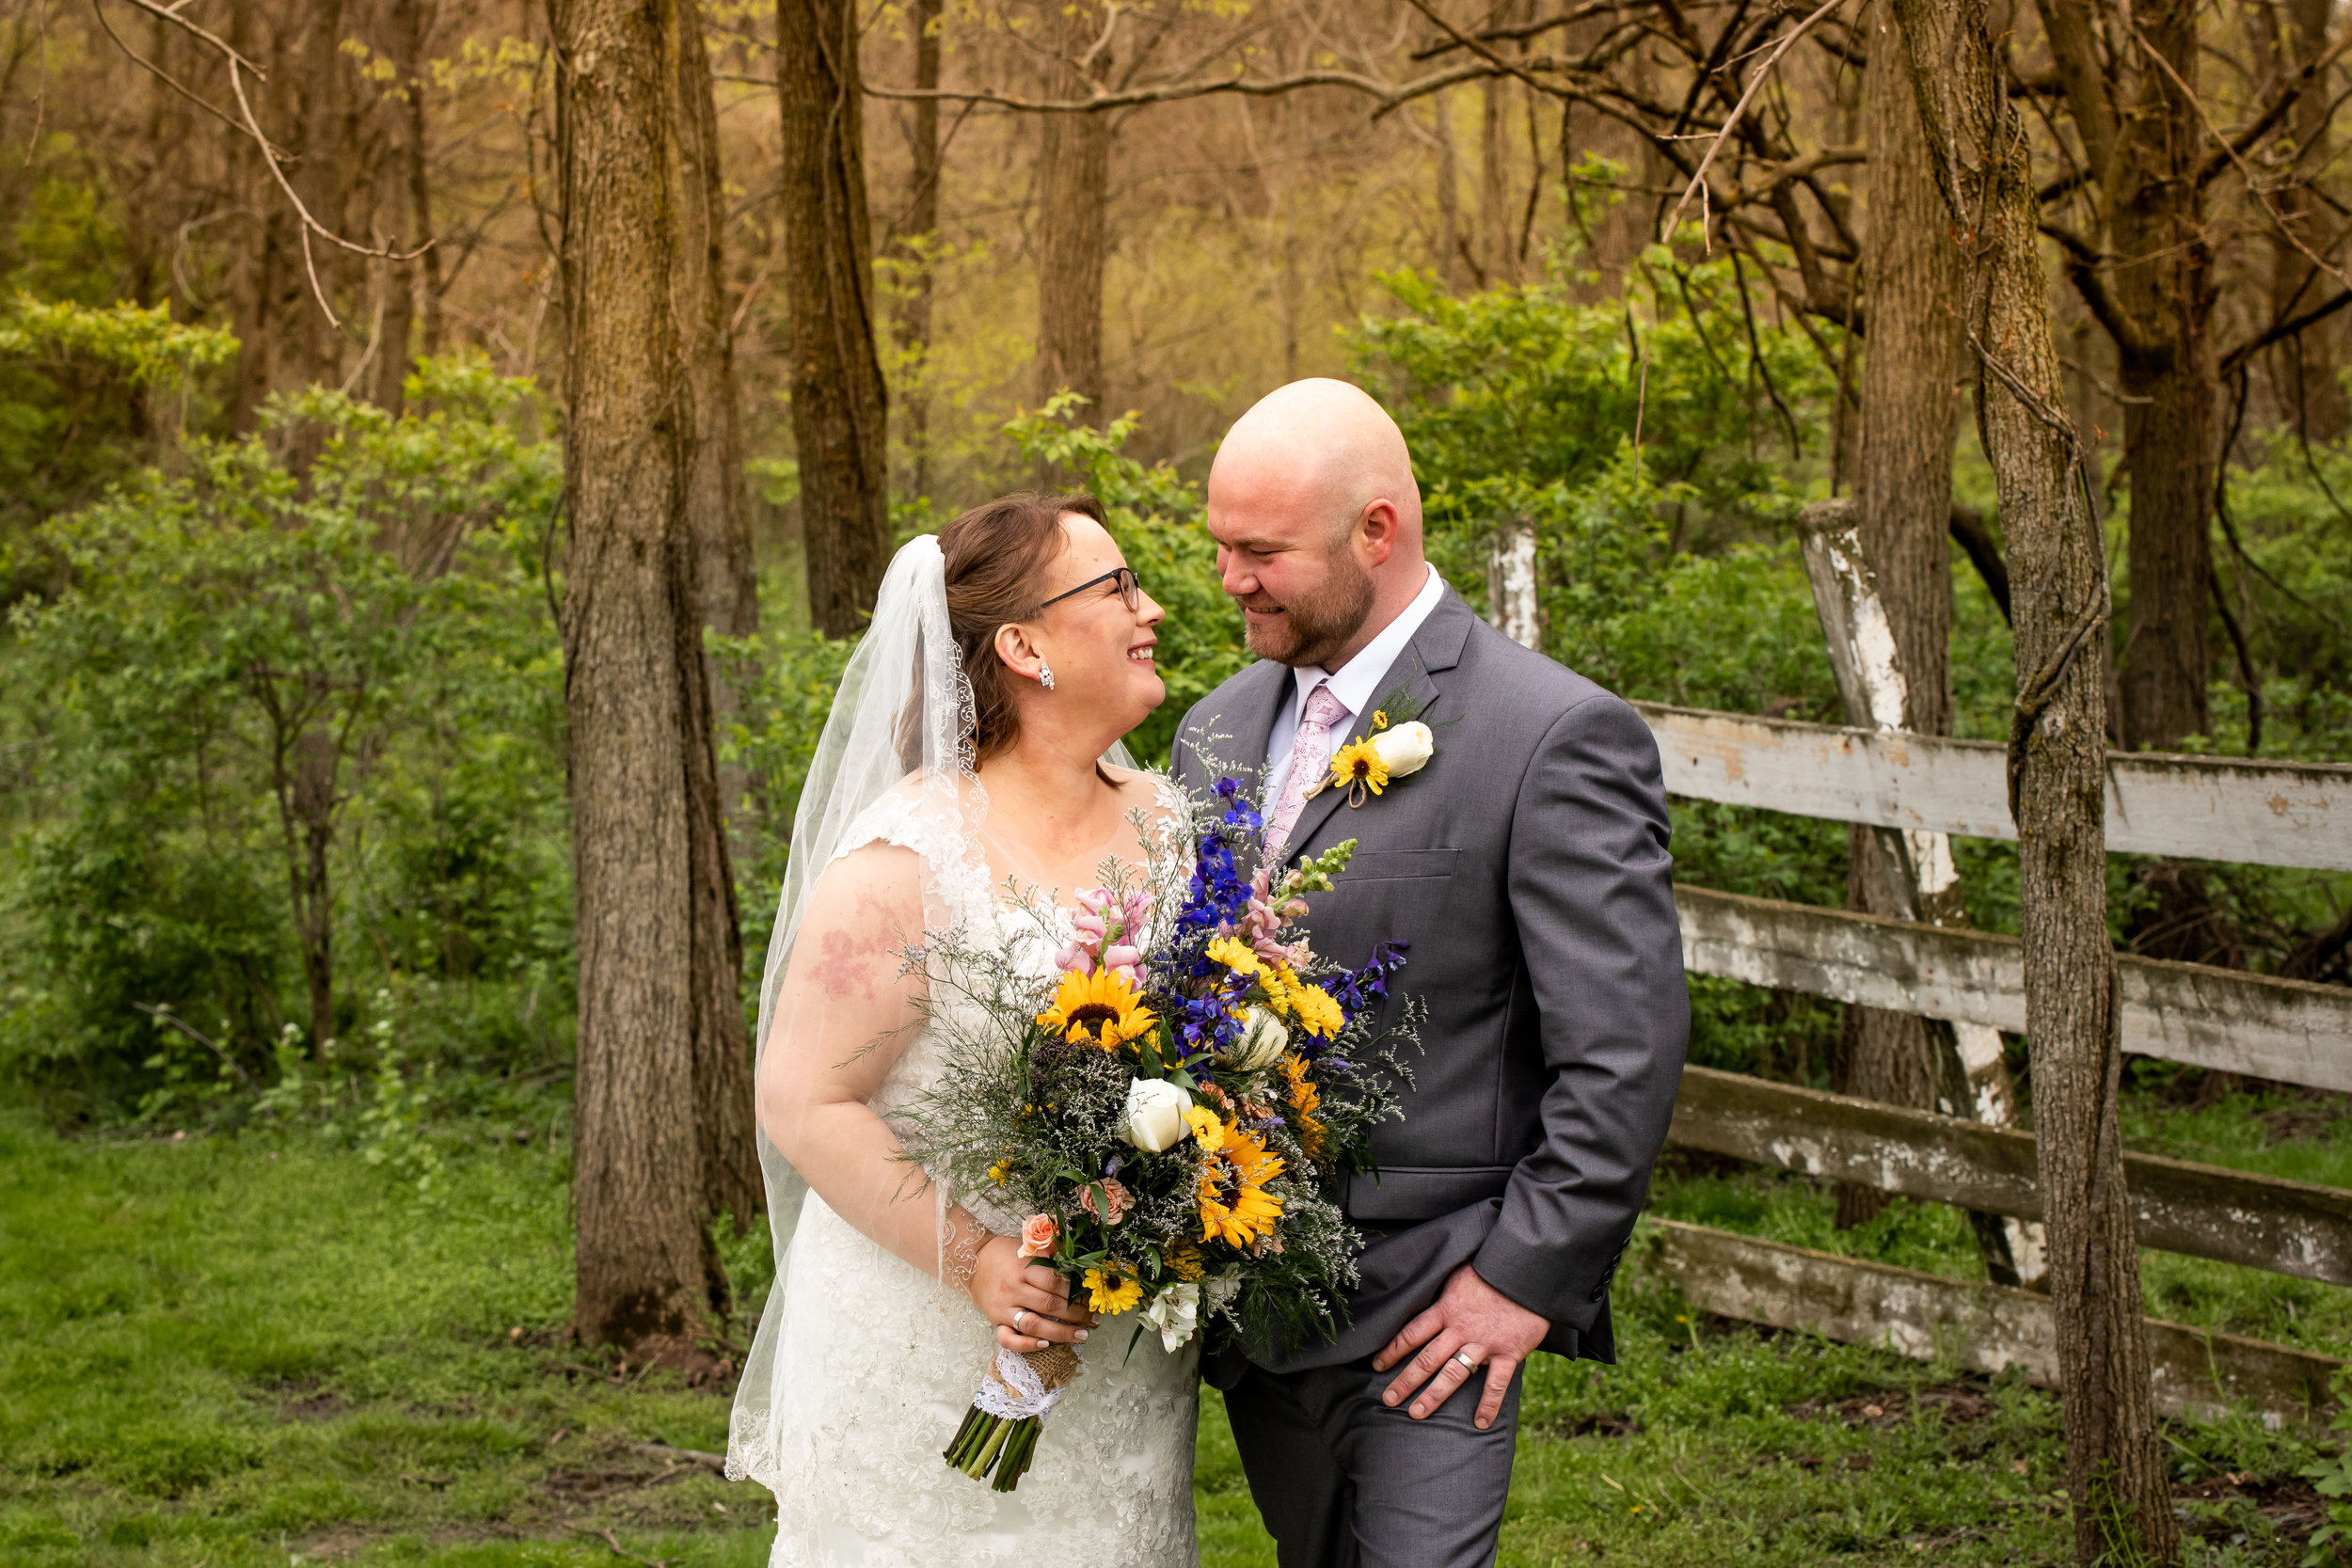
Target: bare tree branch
<point x="1528" y="30"/>
<point x="2253" y="185"/>
<point x="2289" y="92"/>
<point x="1755" y="83"/>
<point x="1390" y="95"/>
<point x="272" y="157"/>
<point x="2279" y="331"/>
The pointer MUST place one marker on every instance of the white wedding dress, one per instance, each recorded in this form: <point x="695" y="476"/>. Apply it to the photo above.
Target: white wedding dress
<point x="875" y="1363"/>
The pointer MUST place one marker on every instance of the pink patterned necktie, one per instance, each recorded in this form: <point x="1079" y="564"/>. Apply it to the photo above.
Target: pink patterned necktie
<point x="1309" y="758"/>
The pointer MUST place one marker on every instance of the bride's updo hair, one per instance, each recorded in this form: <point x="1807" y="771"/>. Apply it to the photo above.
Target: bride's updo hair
<point x="997" y="555"/>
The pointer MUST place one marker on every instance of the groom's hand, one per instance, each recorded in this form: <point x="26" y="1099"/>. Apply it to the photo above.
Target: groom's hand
<point x="1470" y="1315"/>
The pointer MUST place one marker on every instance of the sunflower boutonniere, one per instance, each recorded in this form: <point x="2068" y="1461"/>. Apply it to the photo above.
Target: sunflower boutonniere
<point x="1395" y="745"/>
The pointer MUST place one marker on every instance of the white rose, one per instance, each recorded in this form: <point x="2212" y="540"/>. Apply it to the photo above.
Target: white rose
<point x="1155" y="1118"/>
<point x="1404" y="749"/>
<point x="1263" y="1041"/>
<point x="1176" y="1313"/>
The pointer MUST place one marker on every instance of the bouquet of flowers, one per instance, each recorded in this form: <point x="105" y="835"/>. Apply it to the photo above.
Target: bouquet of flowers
<point x="1174" y="1113"/>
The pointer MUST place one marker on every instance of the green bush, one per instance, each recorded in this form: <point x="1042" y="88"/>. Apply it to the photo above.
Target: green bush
<point x="285" y="711"/>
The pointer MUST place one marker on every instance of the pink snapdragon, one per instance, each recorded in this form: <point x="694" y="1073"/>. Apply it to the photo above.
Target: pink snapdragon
<point x="1108" y="931"/>
<point x="1263" y="918"/>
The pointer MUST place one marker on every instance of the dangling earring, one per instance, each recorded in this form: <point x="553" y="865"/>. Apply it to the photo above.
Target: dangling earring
<point x="1045" y="675"/>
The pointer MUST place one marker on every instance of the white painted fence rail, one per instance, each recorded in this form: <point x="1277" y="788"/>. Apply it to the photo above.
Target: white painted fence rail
<point x="2202" y="808"/>
<point x="2223" y="1019"/>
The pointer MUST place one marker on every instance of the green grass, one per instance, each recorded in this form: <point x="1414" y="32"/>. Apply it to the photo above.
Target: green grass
<point x="233" y="1352"/>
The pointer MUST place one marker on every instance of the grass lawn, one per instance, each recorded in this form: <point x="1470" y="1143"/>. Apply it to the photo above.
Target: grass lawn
<point x="217" y="1352"/>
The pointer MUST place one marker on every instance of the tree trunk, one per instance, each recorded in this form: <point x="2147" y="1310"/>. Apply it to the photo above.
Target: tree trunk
<point x="1449" y="242"/>
<point x="1500" y="261"/>
<point x="727" y="594"/>
<point x="917" y="241"/>
<point x="2164" y="286"/>
<point x="323" y="175"/>
<point x="1904" y="488"/>
<point x="2115" y="1476"/>
<point x="310" y="834"/>
<point x="403" y="304"/>
<point x="2304" y="366"/>
<point x="1074" y="179"/>
<point x="840" y="409"/>
<point x="425" y="279"/>
<point x="649" y="849"/>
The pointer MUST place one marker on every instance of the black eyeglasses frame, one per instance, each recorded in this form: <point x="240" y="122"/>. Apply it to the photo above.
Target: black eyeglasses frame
<point x="1130" y="589"/>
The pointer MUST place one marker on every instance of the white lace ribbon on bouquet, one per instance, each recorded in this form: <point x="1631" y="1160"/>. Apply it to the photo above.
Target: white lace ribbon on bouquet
<point x="1014" y="1391"/>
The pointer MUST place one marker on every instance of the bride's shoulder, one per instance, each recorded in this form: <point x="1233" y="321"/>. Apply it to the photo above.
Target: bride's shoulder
<point x="905" y="815"/>
<point x="1148" y="789"/>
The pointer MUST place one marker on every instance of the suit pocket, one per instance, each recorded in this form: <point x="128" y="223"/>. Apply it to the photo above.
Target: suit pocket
<point x="1397" y="866"/>
<point x="1412" y="1194"/>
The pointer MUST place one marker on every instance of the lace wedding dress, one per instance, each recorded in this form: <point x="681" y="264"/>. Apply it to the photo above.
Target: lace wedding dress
<point x="864" y="1364"/>
<point x="879" y="1361"/>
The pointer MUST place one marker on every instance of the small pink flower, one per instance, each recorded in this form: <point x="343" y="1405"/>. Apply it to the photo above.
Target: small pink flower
<point x="1115" y="1201"/>
<point x="1104" y="931"/>
<point x="1038" y="1234"/>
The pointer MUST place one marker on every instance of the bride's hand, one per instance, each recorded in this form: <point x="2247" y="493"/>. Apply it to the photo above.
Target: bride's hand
<point x="1008" y="1290"/>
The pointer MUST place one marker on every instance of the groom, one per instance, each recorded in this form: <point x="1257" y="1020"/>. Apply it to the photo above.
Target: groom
<point x="1527" y="865"/>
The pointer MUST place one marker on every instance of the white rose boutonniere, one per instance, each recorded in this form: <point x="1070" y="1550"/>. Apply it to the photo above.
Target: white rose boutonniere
<point x="1396" y="746"/>
<point x="1406" y="749"/>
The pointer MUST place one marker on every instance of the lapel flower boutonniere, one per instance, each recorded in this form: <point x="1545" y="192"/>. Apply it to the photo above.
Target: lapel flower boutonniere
<point x="1385" y="754"/>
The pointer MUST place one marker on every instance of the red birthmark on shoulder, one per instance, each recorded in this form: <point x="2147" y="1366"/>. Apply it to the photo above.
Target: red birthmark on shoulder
<point x="841" y="968"/>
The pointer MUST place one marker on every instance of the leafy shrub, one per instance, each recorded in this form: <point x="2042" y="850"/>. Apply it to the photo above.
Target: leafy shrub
<point x="298" y="722"/>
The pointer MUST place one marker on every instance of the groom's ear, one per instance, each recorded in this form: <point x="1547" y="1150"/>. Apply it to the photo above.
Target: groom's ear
<point x="1378" y="530"/>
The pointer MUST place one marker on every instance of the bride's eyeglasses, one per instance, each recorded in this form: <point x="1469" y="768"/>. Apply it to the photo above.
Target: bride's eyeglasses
<point x="1129" y="589"/>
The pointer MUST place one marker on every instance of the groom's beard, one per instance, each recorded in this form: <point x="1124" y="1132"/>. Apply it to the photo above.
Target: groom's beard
<point x="1315" y="625"/>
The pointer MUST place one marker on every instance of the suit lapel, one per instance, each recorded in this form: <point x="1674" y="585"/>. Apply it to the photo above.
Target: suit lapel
<point x="1233" y="740"/>
<point x="1435" y="648"/>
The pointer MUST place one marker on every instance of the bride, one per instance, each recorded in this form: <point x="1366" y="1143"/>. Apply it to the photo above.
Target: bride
<point x="966" y="768"/>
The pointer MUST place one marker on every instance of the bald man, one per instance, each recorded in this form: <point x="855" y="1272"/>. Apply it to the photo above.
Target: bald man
<point x="1527" y="866"/>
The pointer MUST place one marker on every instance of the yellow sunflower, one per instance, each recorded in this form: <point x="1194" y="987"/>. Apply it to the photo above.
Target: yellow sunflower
<point x="1111" y="1288"/>
<point x="1234" y="954"/>
<point x="1205" y="1126"/>
<point x="1244" y="1163"/>
<point x="1358" y="764"/>
<point x="1101" y="1008"/>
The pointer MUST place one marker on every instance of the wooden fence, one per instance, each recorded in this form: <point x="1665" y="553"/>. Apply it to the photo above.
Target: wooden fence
<point x="1917" y="789"/>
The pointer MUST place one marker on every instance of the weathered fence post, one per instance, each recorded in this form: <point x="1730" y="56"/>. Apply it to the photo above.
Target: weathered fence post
<point x="1971" y="1079"/>
<point x="1512" y="601"/>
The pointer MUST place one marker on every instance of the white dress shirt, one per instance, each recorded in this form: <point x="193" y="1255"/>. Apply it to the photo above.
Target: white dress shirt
<point x="1352" y="683"/>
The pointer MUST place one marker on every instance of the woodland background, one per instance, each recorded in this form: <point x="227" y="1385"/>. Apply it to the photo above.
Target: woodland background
<point x="303" y="763"/>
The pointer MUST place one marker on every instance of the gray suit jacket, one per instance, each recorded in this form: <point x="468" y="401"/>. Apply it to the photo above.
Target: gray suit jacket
<point x="1527" y="864"/>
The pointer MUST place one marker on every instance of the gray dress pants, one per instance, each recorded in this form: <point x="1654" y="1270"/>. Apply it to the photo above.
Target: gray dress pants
<point x="1345" y="1482"/>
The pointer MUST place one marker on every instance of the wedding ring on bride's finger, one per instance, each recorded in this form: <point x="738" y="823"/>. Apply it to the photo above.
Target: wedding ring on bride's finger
<point x="1019" y="1313"/>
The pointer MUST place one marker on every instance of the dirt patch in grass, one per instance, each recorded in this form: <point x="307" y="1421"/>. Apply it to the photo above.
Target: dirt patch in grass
<point x="1959" y="1403"/>
<point x="1606" y="1423"/>
<point x="2309" y="1113"/>
<point x="2224" y="1507"/>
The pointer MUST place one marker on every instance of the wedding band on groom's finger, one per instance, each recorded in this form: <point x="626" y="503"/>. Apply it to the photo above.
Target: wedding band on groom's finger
<point x="1468" y="1362"/>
